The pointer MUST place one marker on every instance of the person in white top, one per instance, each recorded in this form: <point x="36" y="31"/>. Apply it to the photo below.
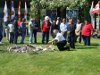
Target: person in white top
<point x="60" y="41"/>
<point x="78" y="30"/>
<point x="63" y="27"/>
<point x="11" y="32"/>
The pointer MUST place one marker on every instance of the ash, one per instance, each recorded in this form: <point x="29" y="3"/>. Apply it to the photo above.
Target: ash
<point x="29" y="48"/>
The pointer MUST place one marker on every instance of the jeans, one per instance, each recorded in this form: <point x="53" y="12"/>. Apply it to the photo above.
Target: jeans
<point x="15" y="37"/>
<point x="11" y="37"/>
<point x="31" y="33"/>
<point x="65" y="35"/>
<point x="23" y="34"/>
<point x="86" y="40"/>
<point x="71" y="40"/>
<point x="6" y="24"/>
<point x="45" y="37"/>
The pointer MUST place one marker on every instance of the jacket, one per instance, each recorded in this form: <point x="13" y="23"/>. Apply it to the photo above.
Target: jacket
<point x="45" y="26"/>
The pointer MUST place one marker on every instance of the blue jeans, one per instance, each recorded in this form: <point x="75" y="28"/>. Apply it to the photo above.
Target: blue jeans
<point x="45" y="37"/>
<point x="71" y="40"/>
<point x="6" y="24"/>
<point x="23" y="34"/>
<point x="31" y="33"/>
<point x="15" y="36"/>
<point x="86" y="40"/>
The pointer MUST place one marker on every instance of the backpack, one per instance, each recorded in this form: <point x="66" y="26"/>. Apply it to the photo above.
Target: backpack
<point x="22" y="27"/>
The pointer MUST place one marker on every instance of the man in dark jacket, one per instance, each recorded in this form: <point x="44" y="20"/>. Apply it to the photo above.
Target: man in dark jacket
<point x="71" y="33"/>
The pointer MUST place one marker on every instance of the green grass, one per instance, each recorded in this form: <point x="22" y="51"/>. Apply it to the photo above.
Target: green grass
<point x="81" y="61"/>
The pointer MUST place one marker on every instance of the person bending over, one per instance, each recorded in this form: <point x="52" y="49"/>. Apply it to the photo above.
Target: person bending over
<point x="60" y="41"/>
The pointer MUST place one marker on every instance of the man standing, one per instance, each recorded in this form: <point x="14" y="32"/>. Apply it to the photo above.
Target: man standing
<point x="60" y="41"/>
<point x="15" y="31"/>
<point x="33" y="29"/>
<point x="71" y="33"/>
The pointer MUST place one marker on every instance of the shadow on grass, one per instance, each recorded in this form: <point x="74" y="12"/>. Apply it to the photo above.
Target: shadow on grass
<point x="3" y="51"/>
<point x="87" y="47"/>
<point x="92" y="46"/>
<point x="5" y="44"/>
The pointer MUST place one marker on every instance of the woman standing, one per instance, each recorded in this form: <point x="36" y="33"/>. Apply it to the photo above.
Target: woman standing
<point x="45" y="30"/>
<point x="22" y="31"/>
<point x="78" y="31"/>
<point x="87" y="30"/>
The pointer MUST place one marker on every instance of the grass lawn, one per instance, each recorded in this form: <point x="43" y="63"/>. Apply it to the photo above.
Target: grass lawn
<point x="82" y="61"/>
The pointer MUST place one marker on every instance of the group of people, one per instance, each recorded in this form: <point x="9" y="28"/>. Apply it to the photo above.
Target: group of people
<point x="63" y="31"/>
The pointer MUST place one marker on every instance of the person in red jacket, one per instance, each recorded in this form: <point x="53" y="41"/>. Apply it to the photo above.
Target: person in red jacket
<point x="87" y="31"/>
<point x="45" y="30"/>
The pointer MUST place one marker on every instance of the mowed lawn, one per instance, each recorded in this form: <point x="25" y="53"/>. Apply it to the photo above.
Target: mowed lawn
<point x="81" y="61"/>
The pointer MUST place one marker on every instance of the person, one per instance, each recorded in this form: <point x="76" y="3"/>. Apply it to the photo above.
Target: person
<point x="6" y="32"/>
<point x="71" y="33"/>
<point x="15" y="31"/>
<point x="87" y="31"/>
<point x="58" y="22"/>
<point x="33" y="29"/>
<point x="60" y="41"/>
<point x="19" y="22"/>
<point x="53" y="27"/>
<point x="78" y="30"/>
<point x="12" y="16"/>
<point x="45" y="30"/>
<point x="1" y="31"/>
<point x="22" y="31"/>
<point x="11" y="32"/>
<point x="63" y="27"/>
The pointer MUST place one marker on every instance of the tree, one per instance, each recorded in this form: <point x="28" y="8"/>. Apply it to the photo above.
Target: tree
<point x="37" y="5"/>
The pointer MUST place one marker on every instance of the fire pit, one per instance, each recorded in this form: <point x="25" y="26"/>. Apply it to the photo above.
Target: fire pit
<point x="29" y="48"/>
